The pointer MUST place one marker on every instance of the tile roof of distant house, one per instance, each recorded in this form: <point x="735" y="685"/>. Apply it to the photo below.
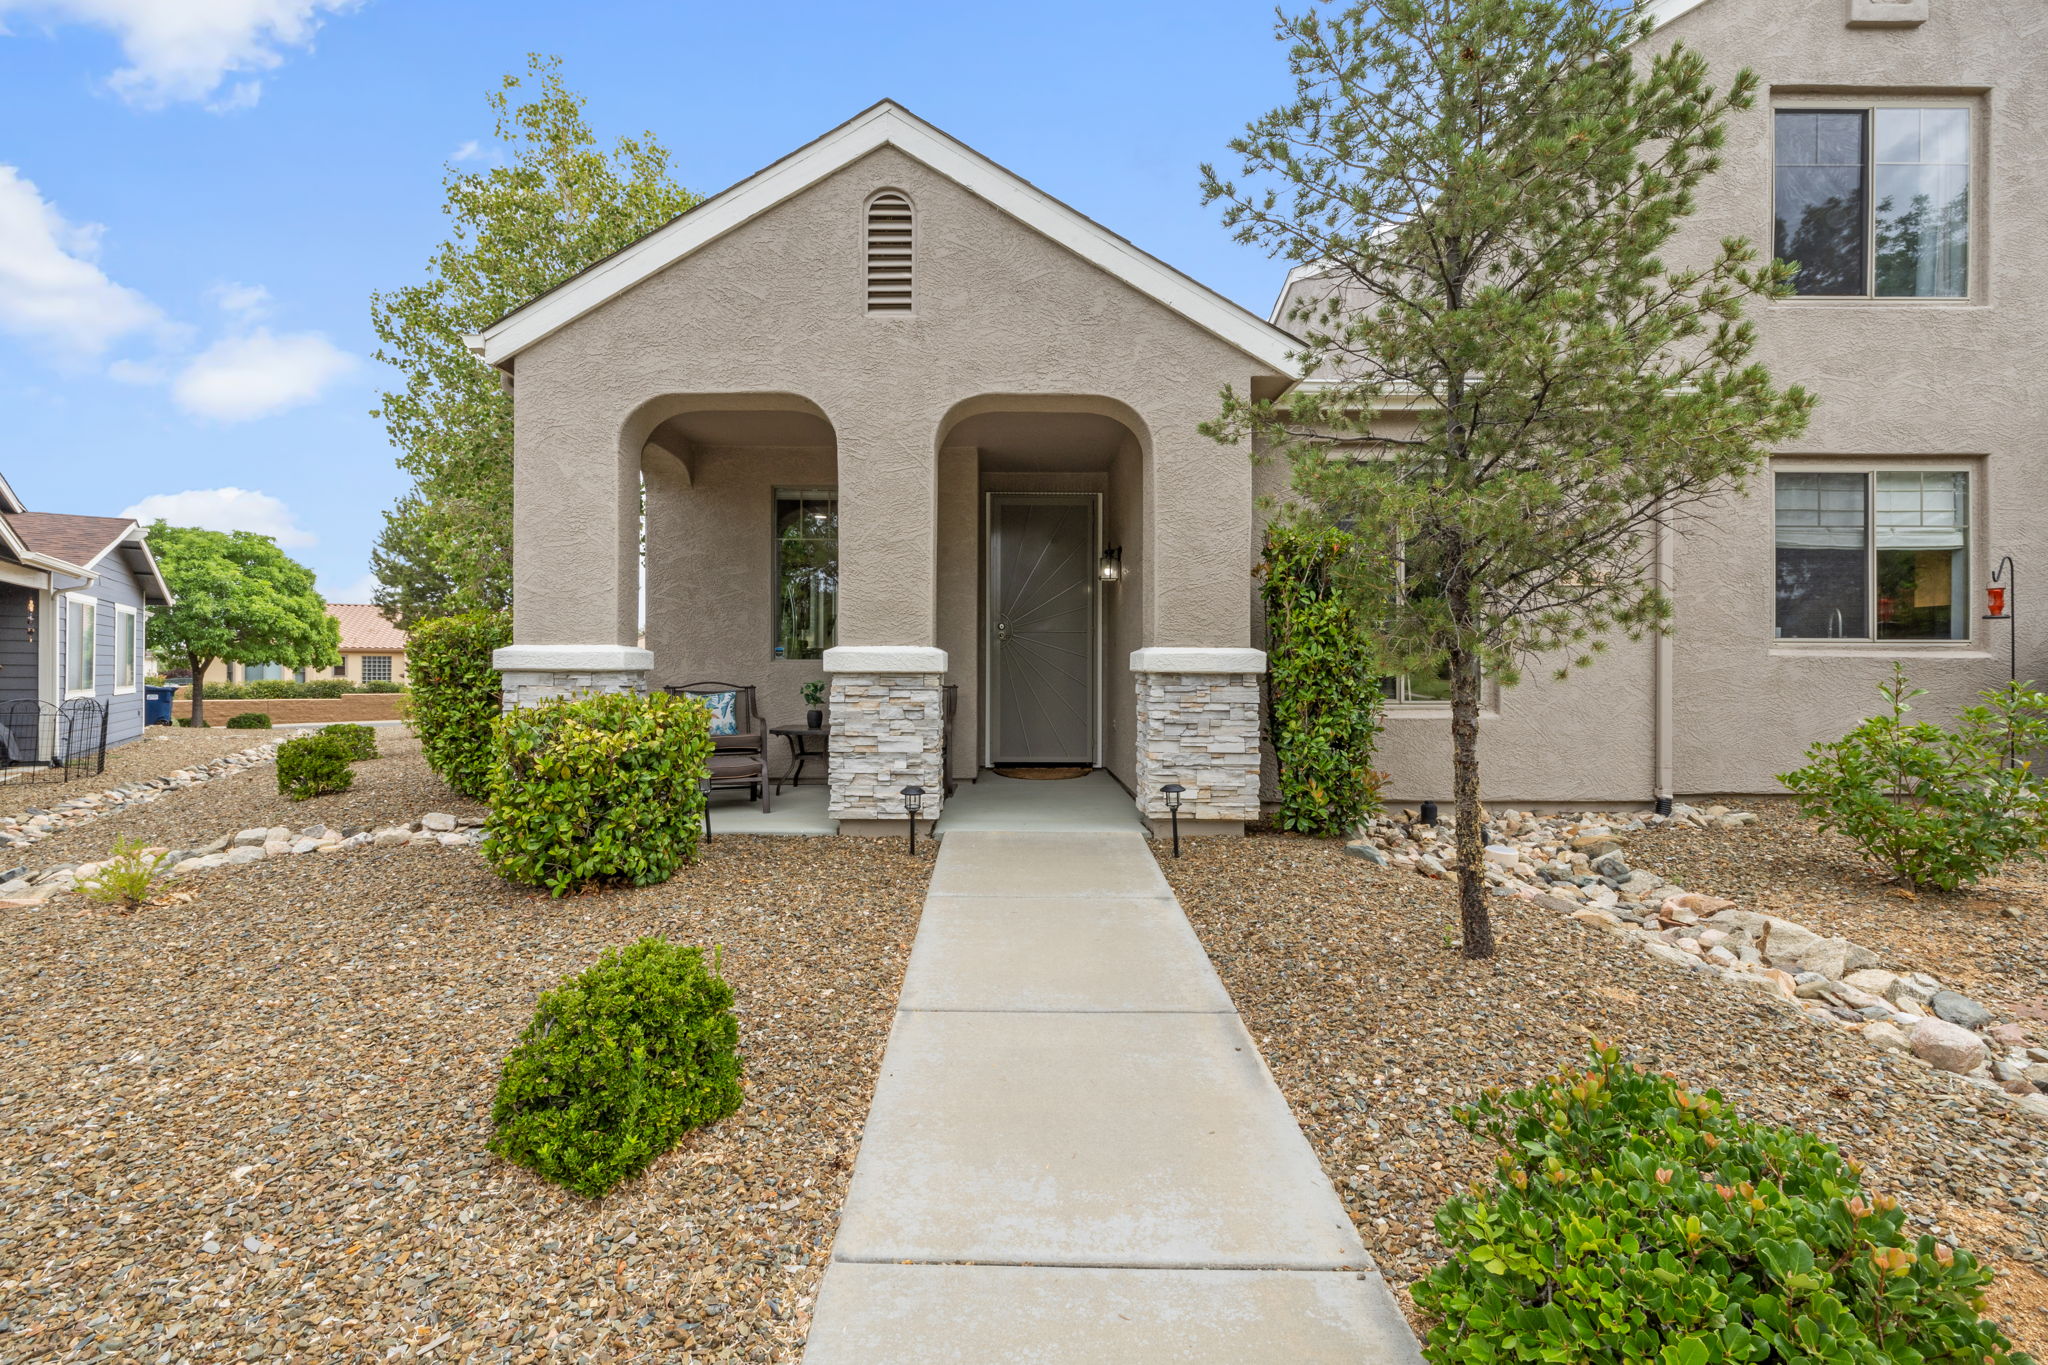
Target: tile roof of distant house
<point x="364" y="627"/>
<point x="75" y="540"/>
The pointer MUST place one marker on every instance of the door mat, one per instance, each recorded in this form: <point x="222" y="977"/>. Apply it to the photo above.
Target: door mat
<point x="1042" y="773"/>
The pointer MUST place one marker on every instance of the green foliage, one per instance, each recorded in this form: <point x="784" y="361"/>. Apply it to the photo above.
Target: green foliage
<point x="247" y="720"/>
<point x="360" y="741"/>
<point x="598" y="788"/>
<point x="128" y="876"/>
<point x="617" y="1065"/>
<point x="280" y="689"/>
<point x="456" y="695"/>
<point x="814" y="692"/>
<point x="1519" y="391"/>
<point x="556" y="203"/>
<point x="313" y="765"/>
<point x="1636" y="1222"/>
<point x="1937" y="808"/>
<point x="1324" y="681"/>
<point x="380" y="687"/>
<point x="239" y="598"/>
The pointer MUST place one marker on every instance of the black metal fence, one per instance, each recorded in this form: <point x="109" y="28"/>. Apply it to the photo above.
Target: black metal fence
<point x="43" y="741"/>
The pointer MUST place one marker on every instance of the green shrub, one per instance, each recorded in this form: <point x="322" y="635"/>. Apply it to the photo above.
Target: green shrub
<point x="380" y="687"/>
<point x="598" y="788"/>
<point x="1938" y="808"/>
<point x="247" y="720"/>
<point x="1324" y="691"/>
<point x="128" y="876"/>
<point x="358" y="741"/>
<point x="456" y="695"/>
<point x="617" y="1065"/>
<point x="1635" y="1222"/>
<point x="313" y="765"/>
<point x="217" y="692"/>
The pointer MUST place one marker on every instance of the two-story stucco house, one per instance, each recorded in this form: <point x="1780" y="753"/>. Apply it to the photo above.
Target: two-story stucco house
<point x="903" y="420"/>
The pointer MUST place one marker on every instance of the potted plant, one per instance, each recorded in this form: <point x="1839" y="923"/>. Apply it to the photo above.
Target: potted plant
<point x="814" y="697"/>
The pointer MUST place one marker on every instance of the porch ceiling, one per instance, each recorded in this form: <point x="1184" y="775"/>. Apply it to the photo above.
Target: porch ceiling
<point x="1047" y="442"/>
<point x="774" y="428"/>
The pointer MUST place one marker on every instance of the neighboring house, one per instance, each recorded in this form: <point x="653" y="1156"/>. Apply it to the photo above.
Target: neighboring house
<point x="74" y="598"/>
<point x="903" y="420"/>
<point x="372" y="650"/>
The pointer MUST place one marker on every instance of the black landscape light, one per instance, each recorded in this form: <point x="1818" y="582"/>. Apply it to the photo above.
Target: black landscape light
<point x="1172" y="792"/>
<point x="1428" y="815"/>
<point x="705" y="785"/>
<point x="913" y="802"/>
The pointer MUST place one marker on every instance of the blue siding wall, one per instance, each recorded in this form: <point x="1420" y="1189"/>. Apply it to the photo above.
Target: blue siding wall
<point x="116" y="585"/>
<point x="18" y="653"/>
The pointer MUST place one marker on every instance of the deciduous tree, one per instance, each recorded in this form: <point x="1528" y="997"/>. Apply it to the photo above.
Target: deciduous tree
<point x="1510" y="387"/>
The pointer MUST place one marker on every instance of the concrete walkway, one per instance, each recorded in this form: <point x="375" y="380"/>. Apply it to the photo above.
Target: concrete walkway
<point x="1075" y="1153"/>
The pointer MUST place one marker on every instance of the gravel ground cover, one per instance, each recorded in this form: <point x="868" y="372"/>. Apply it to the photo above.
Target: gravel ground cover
<point x="394" y="787"/>
<point x="254" y="1126"/>
<point x="1376" y="1028"/>
<point x="1990" y="941"/>
<point x="160" y="751"/>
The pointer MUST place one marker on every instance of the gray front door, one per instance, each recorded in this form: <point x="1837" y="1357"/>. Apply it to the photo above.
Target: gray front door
<point x="1041" y="627"/>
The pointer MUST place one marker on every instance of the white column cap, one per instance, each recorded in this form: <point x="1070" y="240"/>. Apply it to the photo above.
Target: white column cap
<point x="884" y="659"/>
<point x="1177" y="659"/>
<point x="572" y="659"/>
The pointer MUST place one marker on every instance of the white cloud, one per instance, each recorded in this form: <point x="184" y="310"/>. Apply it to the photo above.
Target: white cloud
<point x="186" y="50"/>
<point x="225" y="509"/>
<point x="247" y="301"/>
<point x="51" y="289"/>
<point x="259" y="374"/>
<point x="364" y="589"/>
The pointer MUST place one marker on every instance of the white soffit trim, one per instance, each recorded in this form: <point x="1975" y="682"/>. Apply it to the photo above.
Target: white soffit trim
<point x="884" y="659"/>
<point x="1182" y="660"/>
<point x="571" y="659"/>
<point x="886" y="124"/>
<point x="1662" y="12"/>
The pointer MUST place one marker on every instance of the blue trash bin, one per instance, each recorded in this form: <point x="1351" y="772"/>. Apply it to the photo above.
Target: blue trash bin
<point x="156" y="704"/>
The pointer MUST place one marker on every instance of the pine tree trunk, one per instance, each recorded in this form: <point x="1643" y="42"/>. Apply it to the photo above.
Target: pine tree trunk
<point x="1475" y="922"/>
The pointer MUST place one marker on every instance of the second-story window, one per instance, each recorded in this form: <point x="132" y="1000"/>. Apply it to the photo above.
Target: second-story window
<point x="1875" y="202"/>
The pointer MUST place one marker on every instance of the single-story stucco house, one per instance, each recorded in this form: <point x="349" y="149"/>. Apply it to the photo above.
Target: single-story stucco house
<point x="75" y="593"/>
<point x="372" y="650"/>
<point x="905" y="421"/>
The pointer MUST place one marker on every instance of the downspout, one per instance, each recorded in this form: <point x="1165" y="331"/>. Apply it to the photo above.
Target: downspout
<point x="1661" y="708"/>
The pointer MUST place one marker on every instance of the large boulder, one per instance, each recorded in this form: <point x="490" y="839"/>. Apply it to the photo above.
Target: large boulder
<point x="1958" y="1008"/>
<point x="1947" y="1046"/>
<point x="1797" y="948"/>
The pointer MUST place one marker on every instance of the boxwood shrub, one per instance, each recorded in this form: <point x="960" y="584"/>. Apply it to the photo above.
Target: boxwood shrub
<point x="618" y="1064"/>
<point x="1636" y="1221"/>
<point x="601" y="788"/>
<point x="313" y="765"/>
<point x="456" y="695"/>
<point x="358" y="741"/>
<point x="247" y="720"/>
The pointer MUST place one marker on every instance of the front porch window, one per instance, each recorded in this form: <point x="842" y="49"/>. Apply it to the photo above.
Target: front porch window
<point x="806" y="572"/>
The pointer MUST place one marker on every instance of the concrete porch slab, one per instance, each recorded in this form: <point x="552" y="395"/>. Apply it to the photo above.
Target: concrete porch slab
<point x="1039" y="1315"/>
<point x="1079" y="805"/>
<point x="1048" y="865"/>
<point x="1070" y="953"/>
<point x="797" y="810"/>
<point x="1144" y="1140"/>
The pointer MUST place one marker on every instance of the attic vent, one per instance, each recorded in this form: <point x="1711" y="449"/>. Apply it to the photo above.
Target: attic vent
<point x="889" y="253"/>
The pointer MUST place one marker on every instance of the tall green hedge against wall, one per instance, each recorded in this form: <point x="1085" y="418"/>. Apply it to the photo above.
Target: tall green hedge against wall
<point x="599" y="788"/>
<point x="1323" y="683"/>
<point x="456" y="695"/>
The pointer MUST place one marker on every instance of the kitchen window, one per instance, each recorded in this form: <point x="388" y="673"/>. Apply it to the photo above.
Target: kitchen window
<point x="1875" y="202"/>
<point x="1873" y="555"/>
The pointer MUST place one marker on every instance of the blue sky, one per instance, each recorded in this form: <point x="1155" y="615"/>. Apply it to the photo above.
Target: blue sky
<point x="197" y="197"/>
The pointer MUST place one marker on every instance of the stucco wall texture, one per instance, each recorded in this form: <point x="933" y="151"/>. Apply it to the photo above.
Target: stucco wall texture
<point x="1902" y="383"/>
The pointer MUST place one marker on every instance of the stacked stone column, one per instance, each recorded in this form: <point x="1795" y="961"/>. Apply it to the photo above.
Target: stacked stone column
<point x="1198" y="725"/>
<point x="535" y="673"/>
<point x="888" y="731"/>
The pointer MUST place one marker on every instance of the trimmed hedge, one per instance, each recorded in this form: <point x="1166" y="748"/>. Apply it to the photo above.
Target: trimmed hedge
<point x="600" y="788"/>
<point x="358" y="741"/>
<point x="282" y="689"/>
<point x="456" y="695"/>
<point x="1635" y="1221"/>
<point x="617" y="1065"/>
<point x="314" y="765"/>
<point x="247" y="720"/>
<point x="380" y="687"/>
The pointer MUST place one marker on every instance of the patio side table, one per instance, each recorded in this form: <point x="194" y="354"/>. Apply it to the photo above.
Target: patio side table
<point x="804" y="744"/>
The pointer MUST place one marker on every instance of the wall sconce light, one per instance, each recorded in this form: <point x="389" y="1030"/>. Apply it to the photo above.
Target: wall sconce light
<point x="1172" y="792"/>
<point x="31" y="618"/>
<point x="1110" y="569"/>
<point x="913" y="802"/>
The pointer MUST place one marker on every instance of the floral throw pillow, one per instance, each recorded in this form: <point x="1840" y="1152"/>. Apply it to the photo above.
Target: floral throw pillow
<point x="724" y="711"/>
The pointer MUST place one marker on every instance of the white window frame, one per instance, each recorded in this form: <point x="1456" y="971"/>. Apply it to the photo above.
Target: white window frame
<point x="1975" y="538"/>
<point x="1867" y="104"/>
<point x="130" y="658"/>
<point x="91" y="623"/>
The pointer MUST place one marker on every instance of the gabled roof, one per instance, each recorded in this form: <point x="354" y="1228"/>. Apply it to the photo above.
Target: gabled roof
<point x="885" y="124"/>
<point x="75" y="540"/>
<point x="364" y="627"/>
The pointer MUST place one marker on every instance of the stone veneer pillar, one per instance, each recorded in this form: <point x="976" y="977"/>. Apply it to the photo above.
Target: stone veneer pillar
<point x="888" y="733"/>
<point x="1198" y="725"/>
<point x="531" y="673"/>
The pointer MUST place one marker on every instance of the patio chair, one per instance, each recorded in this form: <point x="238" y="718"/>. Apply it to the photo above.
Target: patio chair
<point x="739" y="736"/>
